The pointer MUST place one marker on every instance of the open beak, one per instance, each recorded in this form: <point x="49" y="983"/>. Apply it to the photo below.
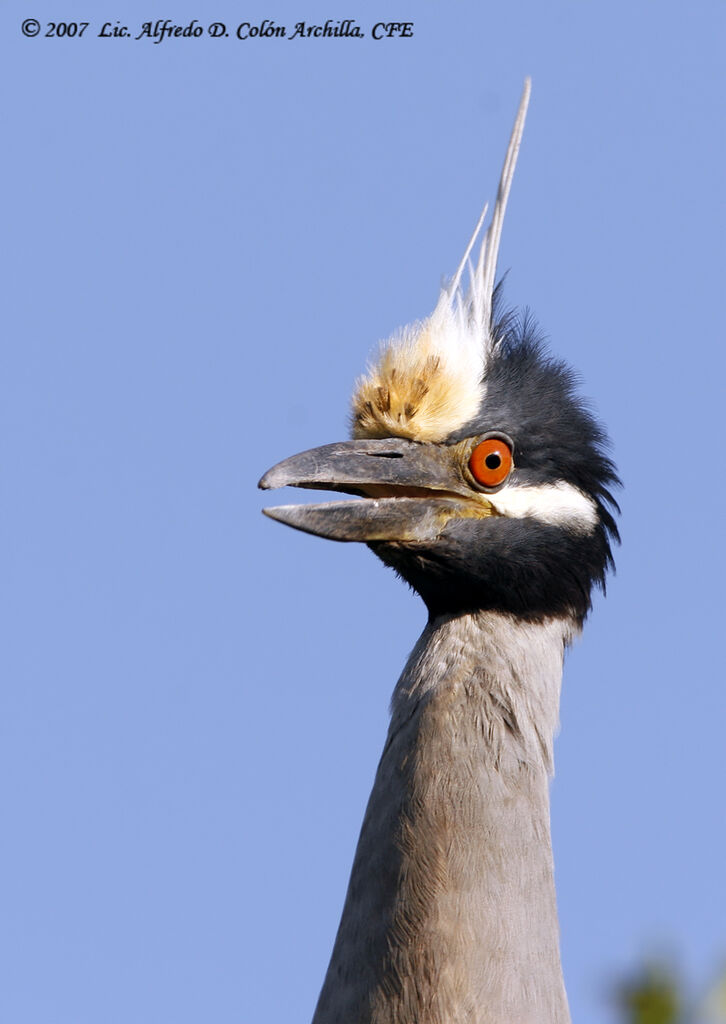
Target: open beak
<point x="409" y="490"/>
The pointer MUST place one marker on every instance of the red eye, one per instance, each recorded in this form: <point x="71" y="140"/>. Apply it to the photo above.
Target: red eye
<point x="491" y="462"/>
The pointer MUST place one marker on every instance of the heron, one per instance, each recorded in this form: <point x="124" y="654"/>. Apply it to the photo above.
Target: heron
<point x="484" y="480"/>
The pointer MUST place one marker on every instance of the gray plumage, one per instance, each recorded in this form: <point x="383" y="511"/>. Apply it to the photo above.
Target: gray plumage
<point x="450" y="915"/>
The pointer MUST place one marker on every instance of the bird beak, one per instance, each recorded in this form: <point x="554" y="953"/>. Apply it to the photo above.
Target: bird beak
<point x="409" y="490"/>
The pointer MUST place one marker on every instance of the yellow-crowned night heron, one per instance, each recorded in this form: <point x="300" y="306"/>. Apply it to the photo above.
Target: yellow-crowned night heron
<point x="485" y="485"/>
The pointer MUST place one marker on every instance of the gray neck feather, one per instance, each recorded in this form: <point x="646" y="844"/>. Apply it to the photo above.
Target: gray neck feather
<point x="450" y="916"/>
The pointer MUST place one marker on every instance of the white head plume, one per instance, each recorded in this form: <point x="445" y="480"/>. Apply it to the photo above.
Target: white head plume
<point x="428" y="381"/>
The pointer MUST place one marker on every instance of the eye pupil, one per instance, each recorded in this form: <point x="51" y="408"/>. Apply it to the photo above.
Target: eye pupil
<point x="493" y="461"/>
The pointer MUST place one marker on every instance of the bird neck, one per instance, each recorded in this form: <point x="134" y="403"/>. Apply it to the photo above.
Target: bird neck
<point x="450" y="916"/>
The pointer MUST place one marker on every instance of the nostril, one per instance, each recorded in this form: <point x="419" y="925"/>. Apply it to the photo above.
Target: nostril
<point x="384" y="455"/>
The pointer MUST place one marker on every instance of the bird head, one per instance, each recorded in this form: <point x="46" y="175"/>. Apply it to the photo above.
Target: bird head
<point x="483" y="478"/>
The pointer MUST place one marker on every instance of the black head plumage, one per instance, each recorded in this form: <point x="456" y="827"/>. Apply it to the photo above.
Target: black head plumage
<point x="525" y="566"/>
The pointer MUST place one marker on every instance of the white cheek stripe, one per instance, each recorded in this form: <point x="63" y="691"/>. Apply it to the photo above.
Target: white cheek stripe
<point x="558" y="504"/>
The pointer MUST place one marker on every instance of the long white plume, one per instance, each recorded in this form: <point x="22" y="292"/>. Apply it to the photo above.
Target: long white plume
<point x="476" y="304"/>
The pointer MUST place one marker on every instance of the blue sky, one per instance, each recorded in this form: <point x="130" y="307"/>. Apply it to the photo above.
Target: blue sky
<point x="203" y="240"/>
